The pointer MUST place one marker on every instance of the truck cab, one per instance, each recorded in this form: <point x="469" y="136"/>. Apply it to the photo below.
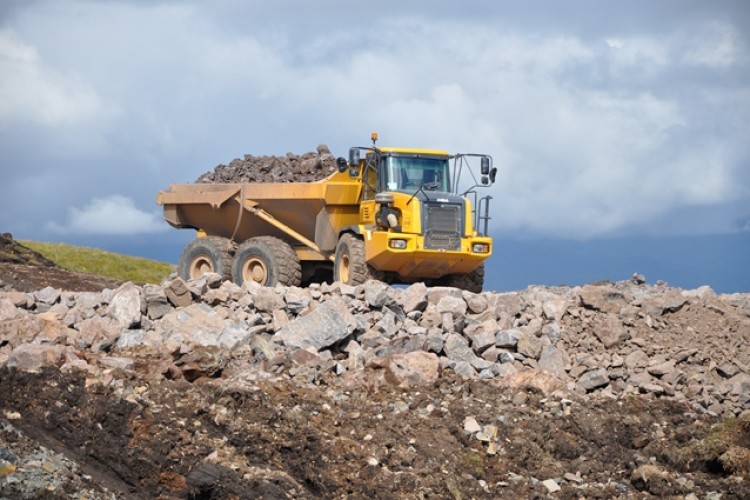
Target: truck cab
<point x="414" y="222"/>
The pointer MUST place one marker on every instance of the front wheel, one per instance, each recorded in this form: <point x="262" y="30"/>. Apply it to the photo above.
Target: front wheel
<point x="267" y="261"/>
<point x="209" y="254"/>
<point x="350" y="266"/>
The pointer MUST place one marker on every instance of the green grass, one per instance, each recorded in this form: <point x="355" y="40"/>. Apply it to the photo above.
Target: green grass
<point x="101" y="263"/>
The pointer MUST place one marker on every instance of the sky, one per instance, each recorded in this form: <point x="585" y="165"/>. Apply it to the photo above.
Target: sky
<point x="620" y="130"/>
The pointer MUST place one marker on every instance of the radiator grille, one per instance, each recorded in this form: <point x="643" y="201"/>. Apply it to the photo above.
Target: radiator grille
<point x="442" y="223"/>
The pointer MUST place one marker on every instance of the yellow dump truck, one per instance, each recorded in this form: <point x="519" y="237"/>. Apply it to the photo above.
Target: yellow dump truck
<point x="400" y="215"/>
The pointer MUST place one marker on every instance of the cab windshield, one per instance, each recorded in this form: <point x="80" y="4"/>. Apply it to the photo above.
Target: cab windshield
<point x="408" y="173"/>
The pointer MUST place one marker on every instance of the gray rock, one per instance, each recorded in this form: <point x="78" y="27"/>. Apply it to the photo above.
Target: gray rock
<point x="431" y="318"/>
<point x="96" y="331"/>
<point x="387" y="324"/>
<point x="482" y="335"/>
<point x="457" y="349"/>
<point x="327" y="324"/>
<point x="89" y="303"/>
<point x="507" y="339"/>
<point x="115" y="362"/>
<point x="530" y="346"/>
<point x="661" y="369"/>
<point x="377" y="294"/>
<point x="47" y="295"/>
<point x="435" y="342"/>
<point x="125" y="306"/>
<point x="33" y="357"/>
<point x="511" y="304"/>
<point x="414" y="298"/>
<point x="476" y="303"/>
<point x="157" y="304"/>
<point x="506" y="358"/>
<point x="727" y="370"/>
<point x="296" y="301"/>
<point x="740" y="384"/>
<point x="456" y="306"/>
<point x="636" y="359"/>
<point x="435" y="293"/>
<point x="552" y="360"/>
<point x="233" y="336"/>
<point x="196" y="324"/>
<point x="178" y="293"/>
<point x="640" y="379"/>
<point x="408" y="343"/>
<point x="8" y="310"/>
<point x="267" y="299"/>
<point x="610" y="331"/>
<point x="133" y="338"/>
<point x="668" y="302"/>
<point x="593" y="379"/>
<point x="604" y="298"/>
<point x="464" y="370"/>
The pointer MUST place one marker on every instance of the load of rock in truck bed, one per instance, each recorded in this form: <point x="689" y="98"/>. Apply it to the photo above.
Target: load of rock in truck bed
<point x="307" y="167"/>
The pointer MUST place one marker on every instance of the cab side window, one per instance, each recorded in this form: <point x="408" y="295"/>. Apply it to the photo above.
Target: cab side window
<point x="370" y="177"/>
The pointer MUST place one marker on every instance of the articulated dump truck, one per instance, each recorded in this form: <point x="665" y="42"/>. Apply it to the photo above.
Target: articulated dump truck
<point x="399" y="215"/>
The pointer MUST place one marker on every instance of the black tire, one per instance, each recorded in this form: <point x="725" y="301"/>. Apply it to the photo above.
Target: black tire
<point x="204" y="255"/>
<point x="267" y="261"/>
<point x="350" y="266"/>
<point x="471" y="282"/>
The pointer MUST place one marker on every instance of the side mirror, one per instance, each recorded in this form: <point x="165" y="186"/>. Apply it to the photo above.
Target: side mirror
<point x="341" y="164"/>
<point x="485" y="165"/>
<point x="493" y="174"/>
<point x="485" y="180"/>
<point x="354" y="158"/>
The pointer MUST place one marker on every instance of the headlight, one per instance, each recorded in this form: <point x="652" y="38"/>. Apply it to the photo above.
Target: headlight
<point x="399" y="244"/>
<point x="480" y="248"/>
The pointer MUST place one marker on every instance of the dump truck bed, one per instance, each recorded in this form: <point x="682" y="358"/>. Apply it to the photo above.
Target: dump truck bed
<point x="226" y="210"/>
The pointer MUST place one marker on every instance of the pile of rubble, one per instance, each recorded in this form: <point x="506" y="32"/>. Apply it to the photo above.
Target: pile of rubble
<point x="609" y="339"/>
<point x="204" y="389"/>
<point x="307" y="167"/>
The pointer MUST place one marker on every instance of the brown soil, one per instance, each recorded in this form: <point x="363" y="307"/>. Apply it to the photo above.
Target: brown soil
<point x="280" y="440"/>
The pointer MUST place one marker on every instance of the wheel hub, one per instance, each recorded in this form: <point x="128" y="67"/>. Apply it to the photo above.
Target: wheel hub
<point x="254" y="269"/>
<point x="200" y="266"/>
<point x="344" y="268"/>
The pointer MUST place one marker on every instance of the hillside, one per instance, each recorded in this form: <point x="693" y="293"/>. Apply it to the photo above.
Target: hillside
<point x="28" y="266"/>
<point x="209" y="390"/>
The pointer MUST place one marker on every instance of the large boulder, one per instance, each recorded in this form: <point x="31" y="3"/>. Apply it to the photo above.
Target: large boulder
<point x="326" y="325"/>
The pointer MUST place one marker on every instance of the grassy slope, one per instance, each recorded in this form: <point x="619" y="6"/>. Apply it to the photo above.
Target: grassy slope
<point x="101" y="263"/>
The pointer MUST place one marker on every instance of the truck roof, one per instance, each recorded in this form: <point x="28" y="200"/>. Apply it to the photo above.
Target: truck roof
<point x="416" y="151"/>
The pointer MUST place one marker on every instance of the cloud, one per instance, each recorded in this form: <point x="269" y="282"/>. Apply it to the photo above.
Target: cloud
<point x="115" y="215"/>
<point x="592" y="134"/>
<point x="32" y="93"/>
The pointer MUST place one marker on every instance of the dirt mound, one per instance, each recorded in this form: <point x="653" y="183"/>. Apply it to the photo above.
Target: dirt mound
<point x="13" y="252"/>
<point x="307" y="167"/>
<point x="23" y="269"/>
<point x="145" y="438"/>
<point x="209" y="390"/>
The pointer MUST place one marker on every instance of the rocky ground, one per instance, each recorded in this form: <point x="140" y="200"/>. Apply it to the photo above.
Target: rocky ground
<point x="209" y="390"/>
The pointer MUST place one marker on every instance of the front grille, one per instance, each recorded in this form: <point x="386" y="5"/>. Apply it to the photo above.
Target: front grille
<point x="442" y="226"/>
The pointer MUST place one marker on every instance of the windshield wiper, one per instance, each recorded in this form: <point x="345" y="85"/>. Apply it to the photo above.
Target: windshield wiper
<point x="430" y="186"/>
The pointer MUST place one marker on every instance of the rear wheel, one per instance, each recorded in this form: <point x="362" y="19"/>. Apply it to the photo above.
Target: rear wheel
<point x="350" y="266"/>
<point x="267" y="261"/>
<point x="205" y="255"/>
<point x="471" y="282"/>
